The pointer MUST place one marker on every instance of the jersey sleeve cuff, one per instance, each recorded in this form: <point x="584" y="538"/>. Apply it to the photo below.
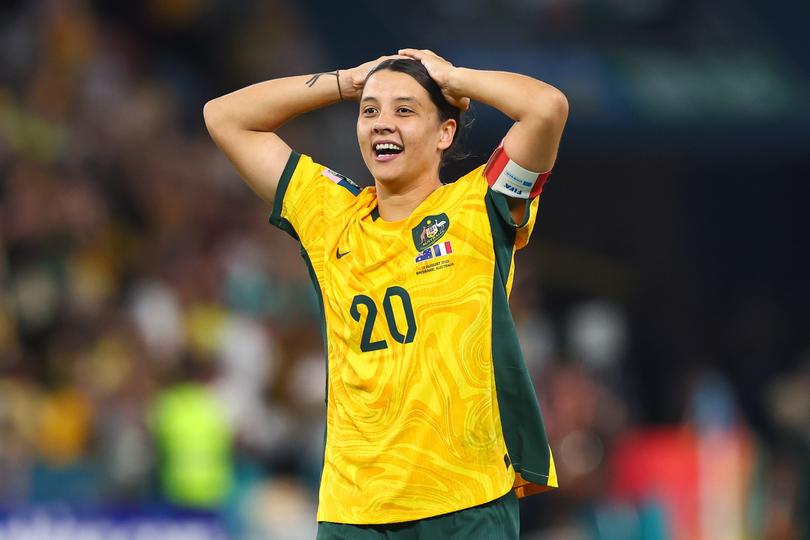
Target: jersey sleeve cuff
<point x="276" y="218"/>
<point x="501" y="204"/>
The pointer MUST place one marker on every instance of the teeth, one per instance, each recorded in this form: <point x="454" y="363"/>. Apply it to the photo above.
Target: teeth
<point x="387" y="146"/>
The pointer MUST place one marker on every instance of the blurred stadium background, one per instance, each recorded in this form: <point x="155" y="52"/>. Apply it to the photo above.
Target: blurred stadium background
<point x="161" y="365"/>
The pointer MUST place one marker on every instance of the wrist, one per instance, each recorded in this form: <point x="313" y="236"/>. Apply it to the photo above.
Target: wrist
<point x="347" y="89"/>
<point x="456" y="78"/>
<point x="341" y="94"/>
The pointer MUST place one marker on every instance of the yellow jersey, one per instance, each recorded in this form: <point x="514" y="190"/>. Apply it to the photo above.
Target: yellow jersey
<point x="430" y="408"/>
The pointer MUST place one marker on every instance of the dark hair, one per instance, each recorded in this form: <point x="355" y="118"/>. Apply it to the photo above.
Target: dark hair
<point x="417" y="70"/>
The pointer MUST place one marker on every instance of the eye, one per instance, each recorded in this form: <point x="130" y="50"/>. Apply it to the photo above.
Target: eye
<point x="404" y="110"/>
<point x="369" y="111"/>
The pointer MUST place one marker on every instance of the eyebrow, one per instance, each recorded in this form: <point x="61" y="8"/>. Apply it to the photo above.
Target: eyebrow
<point x="401" y="98"/>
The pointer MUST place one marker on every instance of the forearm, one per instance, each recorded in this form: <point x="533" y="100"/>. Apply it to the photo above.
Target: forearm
<point x="243" y="123"/>
<point x="519" y="97"/>
<point x="266" y="106"/>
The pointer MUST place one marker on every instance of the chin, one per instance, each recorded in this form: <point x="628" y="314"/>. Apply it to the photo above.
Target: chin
<point x="385" y="174"/>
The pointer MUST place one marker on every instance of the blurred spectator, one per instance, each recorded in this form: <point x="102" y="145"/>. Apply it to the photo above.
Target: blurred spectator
<point x="194" y="442"/>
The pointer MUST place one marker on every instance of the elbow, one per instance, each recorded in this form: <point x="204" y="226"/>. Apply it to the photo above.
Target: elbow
<point x="212" y="115"/>
<point x="545" y="108"/>
<point x="218" y="120"/>
<point x="562" y="106"/>
<point x="553" y="107"/>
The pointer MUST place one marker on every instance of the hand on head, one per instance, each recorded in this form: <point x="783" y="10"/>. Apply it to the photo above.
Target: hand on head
<point x="440" y="70"/>
<point x="352" y="80"/>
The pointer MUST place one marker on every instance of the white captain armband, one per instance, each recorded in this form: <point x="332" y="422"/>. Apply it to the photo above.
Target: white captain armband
<point x="507" y="177"/>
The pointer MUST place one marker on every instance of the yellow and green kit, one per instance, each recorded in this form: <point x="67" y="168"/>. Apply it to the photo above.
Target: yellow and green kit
<point x="430" y="408"/>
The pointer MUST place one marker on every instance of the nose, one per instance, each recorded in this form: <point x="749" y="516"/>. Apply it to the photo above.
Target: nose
<point x="381" y="126"/>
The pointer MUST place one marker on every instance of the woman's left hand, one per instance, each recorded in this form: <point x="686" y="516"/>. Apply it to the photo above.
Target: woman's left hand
<point x="440" y="70"/>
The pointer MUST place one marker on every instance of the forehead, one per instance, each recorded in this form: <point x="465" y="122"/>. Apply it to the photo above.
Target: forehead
<point x="387" y="84"/>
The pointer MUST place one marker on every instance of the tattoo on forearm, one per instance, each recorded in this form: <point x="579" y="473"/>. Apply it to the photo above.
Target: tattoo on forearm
<point x="312" y="80"/>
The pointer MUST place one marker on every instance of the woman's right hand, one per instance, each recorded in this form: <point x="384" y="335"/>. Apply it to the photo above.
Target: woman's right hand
<point x="352" y="80"/>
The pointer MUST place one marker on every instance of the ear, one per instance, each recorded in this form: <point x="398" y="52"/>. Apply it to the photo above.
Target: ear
<point x="446" y="133"/>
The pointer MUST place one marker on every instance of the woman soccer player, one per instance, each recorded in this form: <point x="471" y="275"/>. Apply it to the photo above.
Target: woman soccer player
<point x="433" y="428"/>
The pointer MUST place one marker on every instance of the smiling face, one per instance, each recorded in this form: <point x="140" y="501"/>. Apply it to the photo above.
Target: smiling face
<point x="400" y="134"/>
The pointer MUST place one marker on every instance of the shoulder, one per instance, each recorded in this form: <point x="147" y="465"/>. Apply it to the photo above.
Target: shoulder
<point x="304" y="167"/>
<point x="310" y="194"/>
<point x="472" y="182"/>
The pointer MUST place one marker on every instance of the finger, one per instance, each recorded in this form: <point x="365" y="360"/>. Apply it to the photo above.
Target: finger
<point x="386" y="57"/>
<point x="462" y="103"/>
<point x="371" y="64"/>
<point x="412" y="53"/>
<point x="428" y="52"/>
<point x="389" y="57"/>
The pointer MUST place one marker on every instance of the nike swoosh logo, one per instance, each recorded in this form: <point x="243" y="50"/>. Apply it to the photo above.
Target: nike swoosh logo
<point x="340" y="255"/>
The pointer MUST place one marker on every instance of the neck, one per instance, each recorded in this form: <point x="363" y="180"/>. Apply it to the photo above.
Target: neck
<point x="397" y="199"/>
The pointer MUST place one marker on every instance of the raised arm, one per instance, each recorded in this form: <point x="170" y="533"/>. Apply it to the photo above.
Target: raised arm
<point x="243" y="123"/>
<point x="538" y="109"/>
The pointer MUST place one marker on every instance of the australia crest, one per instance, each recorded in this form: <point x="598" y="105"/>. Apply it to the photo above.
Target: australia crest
<point x="429" y="231"/>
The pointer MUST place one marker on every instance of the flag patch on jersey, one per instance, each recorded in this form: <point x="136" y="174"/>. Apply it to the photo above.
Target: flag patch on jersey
<point x="429" y="231"/>
<point x="341" y="180"/>
<point x="434" y="252"/>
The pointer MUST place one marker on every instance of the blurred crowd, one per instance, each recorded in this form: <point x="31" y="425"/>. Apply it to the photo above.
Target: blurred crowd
<point x="160" y="342"/>
<point x="144" y="295"/>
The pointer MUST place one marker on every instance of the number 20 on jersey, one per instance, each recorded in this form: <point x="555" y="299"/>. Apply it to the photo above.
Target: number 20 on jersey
<point x="366" y="345"/>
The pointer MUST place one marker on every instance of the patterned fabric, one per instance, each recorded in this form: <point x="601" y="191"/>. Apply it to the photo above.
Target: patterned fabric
<point x="419" y="342"/>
